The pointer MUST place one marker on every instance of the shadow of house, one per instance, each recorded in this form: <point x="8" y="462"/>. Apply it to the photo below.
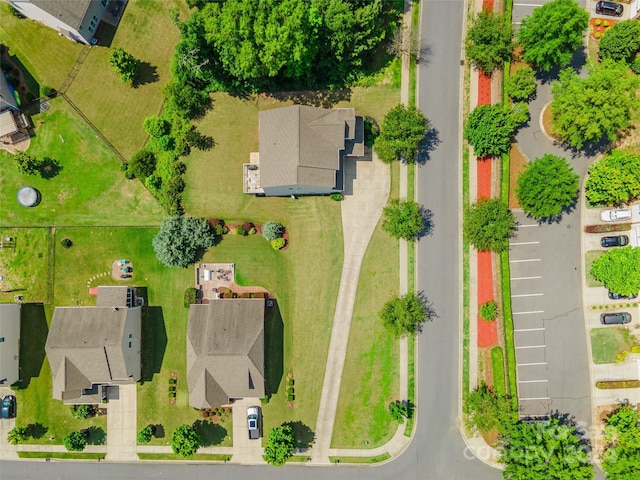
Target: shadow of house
<point x="9" y="343"/>
<point x="32" y="347"/>
<point x="154" y="342"/>
<point x="19" y="76"/>
<point x="273" y="347"/>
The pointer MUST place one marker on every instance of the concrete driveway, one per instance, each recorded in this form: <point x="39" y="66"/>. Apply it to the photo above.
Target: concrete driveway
<point x="245" y="451"/>
<point x="122" y="423"/>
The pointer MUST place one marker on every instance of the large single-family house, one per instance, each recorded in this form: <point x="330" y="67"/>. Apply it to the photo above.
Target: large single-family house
<point x="302" y="151"/>
<point x="225" y="351"/>
<point x="74" y="19"/>
<point x="9" y="343"/>
<point x="93" y="348"/>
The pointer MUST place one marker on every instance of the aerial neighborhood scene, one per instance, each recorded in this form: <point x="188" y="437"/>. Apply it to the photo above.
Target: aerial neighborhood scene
<point x="388" y="238"/>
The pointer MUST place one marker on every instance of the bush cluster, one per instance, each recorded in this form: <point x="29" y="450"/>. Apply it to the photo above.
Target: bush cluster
<point x="272" y="230"/>
<point x="489" y="311"/>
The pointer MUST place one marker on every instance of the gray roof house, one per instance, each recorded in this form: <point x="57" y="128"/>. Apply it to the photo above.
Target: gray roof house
<point x="225" y="351"/>
<point x="302" y="151"/>
<point x="9" y="343"/>
<point x="74" y="19"/>
<point x="90" y="348"/>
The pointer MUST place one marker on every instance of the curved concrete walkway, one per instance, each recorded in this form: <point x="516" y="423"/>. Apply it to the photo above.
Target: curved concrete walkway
<point x="366" y="193"/>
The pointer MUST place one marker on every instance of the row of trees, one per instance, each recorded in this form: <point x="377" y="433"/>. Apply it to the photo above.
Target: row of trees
<point x="614" y="180"/>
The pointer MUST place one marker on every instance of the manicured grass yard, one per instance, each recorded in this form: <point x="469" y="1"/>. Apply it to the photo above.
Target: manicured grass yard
<point x="24" y="268"/>
<point x="607" y="342"/>
<point x="589" y="258"/>
<point x="88" y="190"/>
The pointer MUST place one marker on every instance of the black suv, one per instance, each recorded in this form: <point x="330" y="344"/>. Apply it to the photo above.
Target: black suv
<point x="619" y="296"/>
<point x="617" y="241"/>
<point x="609" y="8"/>
<point x="615" y="318"/>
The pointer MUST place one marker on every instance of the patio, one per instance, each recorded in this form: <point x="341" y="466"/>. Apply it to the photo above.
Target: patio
<point x="217" y="280"/>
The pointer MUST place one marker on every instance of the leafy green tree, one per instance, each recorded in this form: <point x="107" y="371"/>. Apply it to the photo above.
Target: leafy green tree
<point x="403" y="219"/>
<point x="552" y="33"/>
<point x="619" y="270"/>
<point x="184" y="100"/>
<point x="82" y="412"/>
<point x="27" y="165"/>
<point x="146" y="434"/>
<point x="621" y="454"/>
<point x="18" y="435"/>
<point x="485" y="410"/>
<point x="621" y="42"/>
<point x="156" y="127"/>
<point x="142" y="164"/>
<point x="75" y="442"/>
<point x="280" y="445"/>
<point x="521" y="86"/>
<point x="547" y="186"/>
<point x="488" y="224"/>
<point x="488" y="44"/>
<point x="272" y="230"/>
<point x="588" y="109"/>
<point x="185" y="441"/>
<point x="489" y="128"/>
<point x="404" y="315"/>
<point x="125" y="64"/>
<point x="614" y="179"/>
<point x="535" y="450"/>
<point x="399" y="410"/>
<point x="402" y="131"/>
<point x="181" y="239"/>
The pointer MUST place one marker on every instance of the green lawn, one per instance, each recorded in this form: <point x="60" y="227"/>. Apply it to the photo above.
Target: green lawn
<point x="118" y="109"/>
<point x="88" y="190"/>
<point x="63" y="456"/>
<point x="47" y="56"/>
<point x="607" y="342"/>
<point x="377" y="459"/>
<point x="195" y="458"/>
<point x="24" y="267"/>
<point x="589" y="258"/>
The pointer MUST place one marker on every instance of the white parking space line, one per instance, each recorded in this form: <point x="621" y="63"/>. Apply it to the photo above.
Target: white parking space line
<point x="533" y="224"/>
<point x="526" y="278"/>
<point x="528" y="329"/>
<point x="528" y="313"/>
<point x="532" y="346"/>
<point x="527" y="295"/>
<point x="527" y="260"/>
<point x="524" y="243"/>
<point x="529" y="364"/>
<point x="532" y="381"/>
<point x="533" y="398"/>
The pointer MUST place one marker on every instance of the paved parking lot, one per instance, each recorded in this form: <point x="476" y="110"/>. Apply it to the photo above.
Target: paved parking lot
<point x="522" y="8"/>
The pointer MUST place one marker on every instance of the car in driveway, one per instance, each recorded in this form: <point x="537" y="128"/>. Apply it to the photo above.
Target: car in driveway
<point x="619" y="318"/>
<point x="614" y="241"/>
<point x="9" y="406"/>
<point x="619" y="296"/>
<point x="615" y="215"/>
<point x="254" y="422"/>
<point x="609" y="8"/>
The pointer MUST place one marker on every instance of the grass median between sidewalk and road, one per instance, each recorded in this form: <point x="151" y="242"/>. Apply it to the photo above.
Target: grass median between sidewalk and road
<point x="63" y="456"/>
<point x="348" y="460"/>
<point x="198" y="457"/>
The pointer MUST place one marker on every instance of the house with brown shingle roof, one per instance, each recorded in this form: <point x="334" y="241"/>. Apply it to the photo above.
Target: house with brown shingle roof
<point x="92" y="348"/>
<point x="302" y="151"/>
<point x="225" y="351"/>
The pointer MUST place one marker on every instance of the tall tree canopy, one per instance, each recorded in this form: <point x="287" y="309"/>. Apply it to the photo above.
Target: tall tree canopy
<point x="488" y="224"/>
<point x="547" y="186"/>
<point x="614" y="179"/>
<point x="488" y="42"/>
<point x="280" y="445"/>
<point x="489" y="128"/>
<point x="621" y="457"/>
<point x="619" y="270"/>
<point x="404" y="315"/>
<point x="403" y="219"/>
<point x="181" y="239"/>
<point x="621" y="42"/>
<point x="255" y="44"/>
<point x="402" y="131"/>
<point x="588" y="109"/>
<point x="552" y="33"/>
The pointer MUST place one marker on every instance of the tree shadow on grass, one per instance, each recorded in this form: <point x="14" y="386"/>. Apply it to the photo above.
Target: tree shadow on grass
<point x="314" y="98"/>
<point x="273" y="347"/>
<point x="50" y="168"/>
<point x="33" y="324"/>
<point x="158" y="431"/>
<point x="95" y="435"/>
<point x="154" y="342"/>
<point x="146" y="74"/>
<point x="304" y="436"/>
<point x="210" y="433"/>
<point x="37" y="430"/>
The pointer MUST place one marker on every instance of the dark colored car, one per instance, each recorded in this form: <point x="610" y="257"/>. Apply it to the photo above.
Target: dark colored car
<point x="616" y="241"/>
<point x="615" y="318"/>
<point x="609" y="8"/>
<point x="9" y="406"/>
<point x="619" y="296"/>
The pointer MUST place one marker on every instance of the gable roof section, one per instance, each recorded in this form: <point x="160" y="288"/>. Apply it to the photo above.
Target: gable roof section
<point x="10" y="345"/>
<point x="113" y="296"/>
<point x="84" y="346"/>
<point x="302" y="145"/>
<point x="225" y="351"/>
<point x="70" y="12"/>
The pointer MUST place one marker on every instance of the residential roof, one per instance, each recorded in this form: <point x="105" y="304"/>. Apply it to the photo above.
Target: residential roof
<point x="85" y="346"/>
<point x="225" y="351"/>
<point x="302" y="145"/>
<point x="70" y="12"/>
<point x="7" y="123"/>
<point x="9" y="347"/>
<point x="113" y="296"/>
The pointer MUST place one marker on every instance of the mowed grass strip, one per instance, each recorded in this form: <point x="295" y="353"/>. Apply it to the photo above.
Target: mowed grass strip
<point x="118" y="109"/>
<point x="23" y="266"/>
<point x="497" y="368"/>
<point x="607" y="342"/>
<point x="89" y="189"/>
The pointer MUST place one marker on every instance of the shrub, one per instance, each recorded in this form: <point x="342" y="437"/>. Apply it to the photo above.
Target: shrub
<point x="142" y="164"/>
<point x="66" y="243"/>
<point x="145" y="435"/>
<point x="278" y="243"/>
<point x="635" y="349"/>
<point x="153" y="182"/>
<point x="272" y="230"/>
<point x="239" y="230"/>
<point x="190" y="297"/>
<point x="598" y="35"/>
<point x="45" y="91"/>
<point x="617" y="227"/>
<point x="489" y="311"/>
<point x="82" y="412"/>
<point x="18" y="435"/>
<point x="615" y="384"/>
<point x="401" y="410"/>
<point x="181" y="240"/>
<point x="522" y="84"/>
<point x="291" y="398"/>
<point x="246" y="226"/>
<point x="337" y="196"/>
<point x="185" y="440"/>
<point x="252" y="231"/>
<point x="75" y="442"/>
<point x="598" y="22"/>
<point x="125" y="65"/>
<point x="635" y="65"/>
<point x="371" y="131"/>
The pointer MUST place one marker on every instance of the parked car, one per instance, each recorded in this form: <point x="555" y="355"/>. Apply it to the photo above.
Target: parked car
<point x="254" y="420"/>
<point x="615" y="241"/>
<point x="615" y="215"/>
<point x="609" y="8"/>
<point x="9" y="406"/>
<point x="615" y="318"/>
<point x="619" y="296"/>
